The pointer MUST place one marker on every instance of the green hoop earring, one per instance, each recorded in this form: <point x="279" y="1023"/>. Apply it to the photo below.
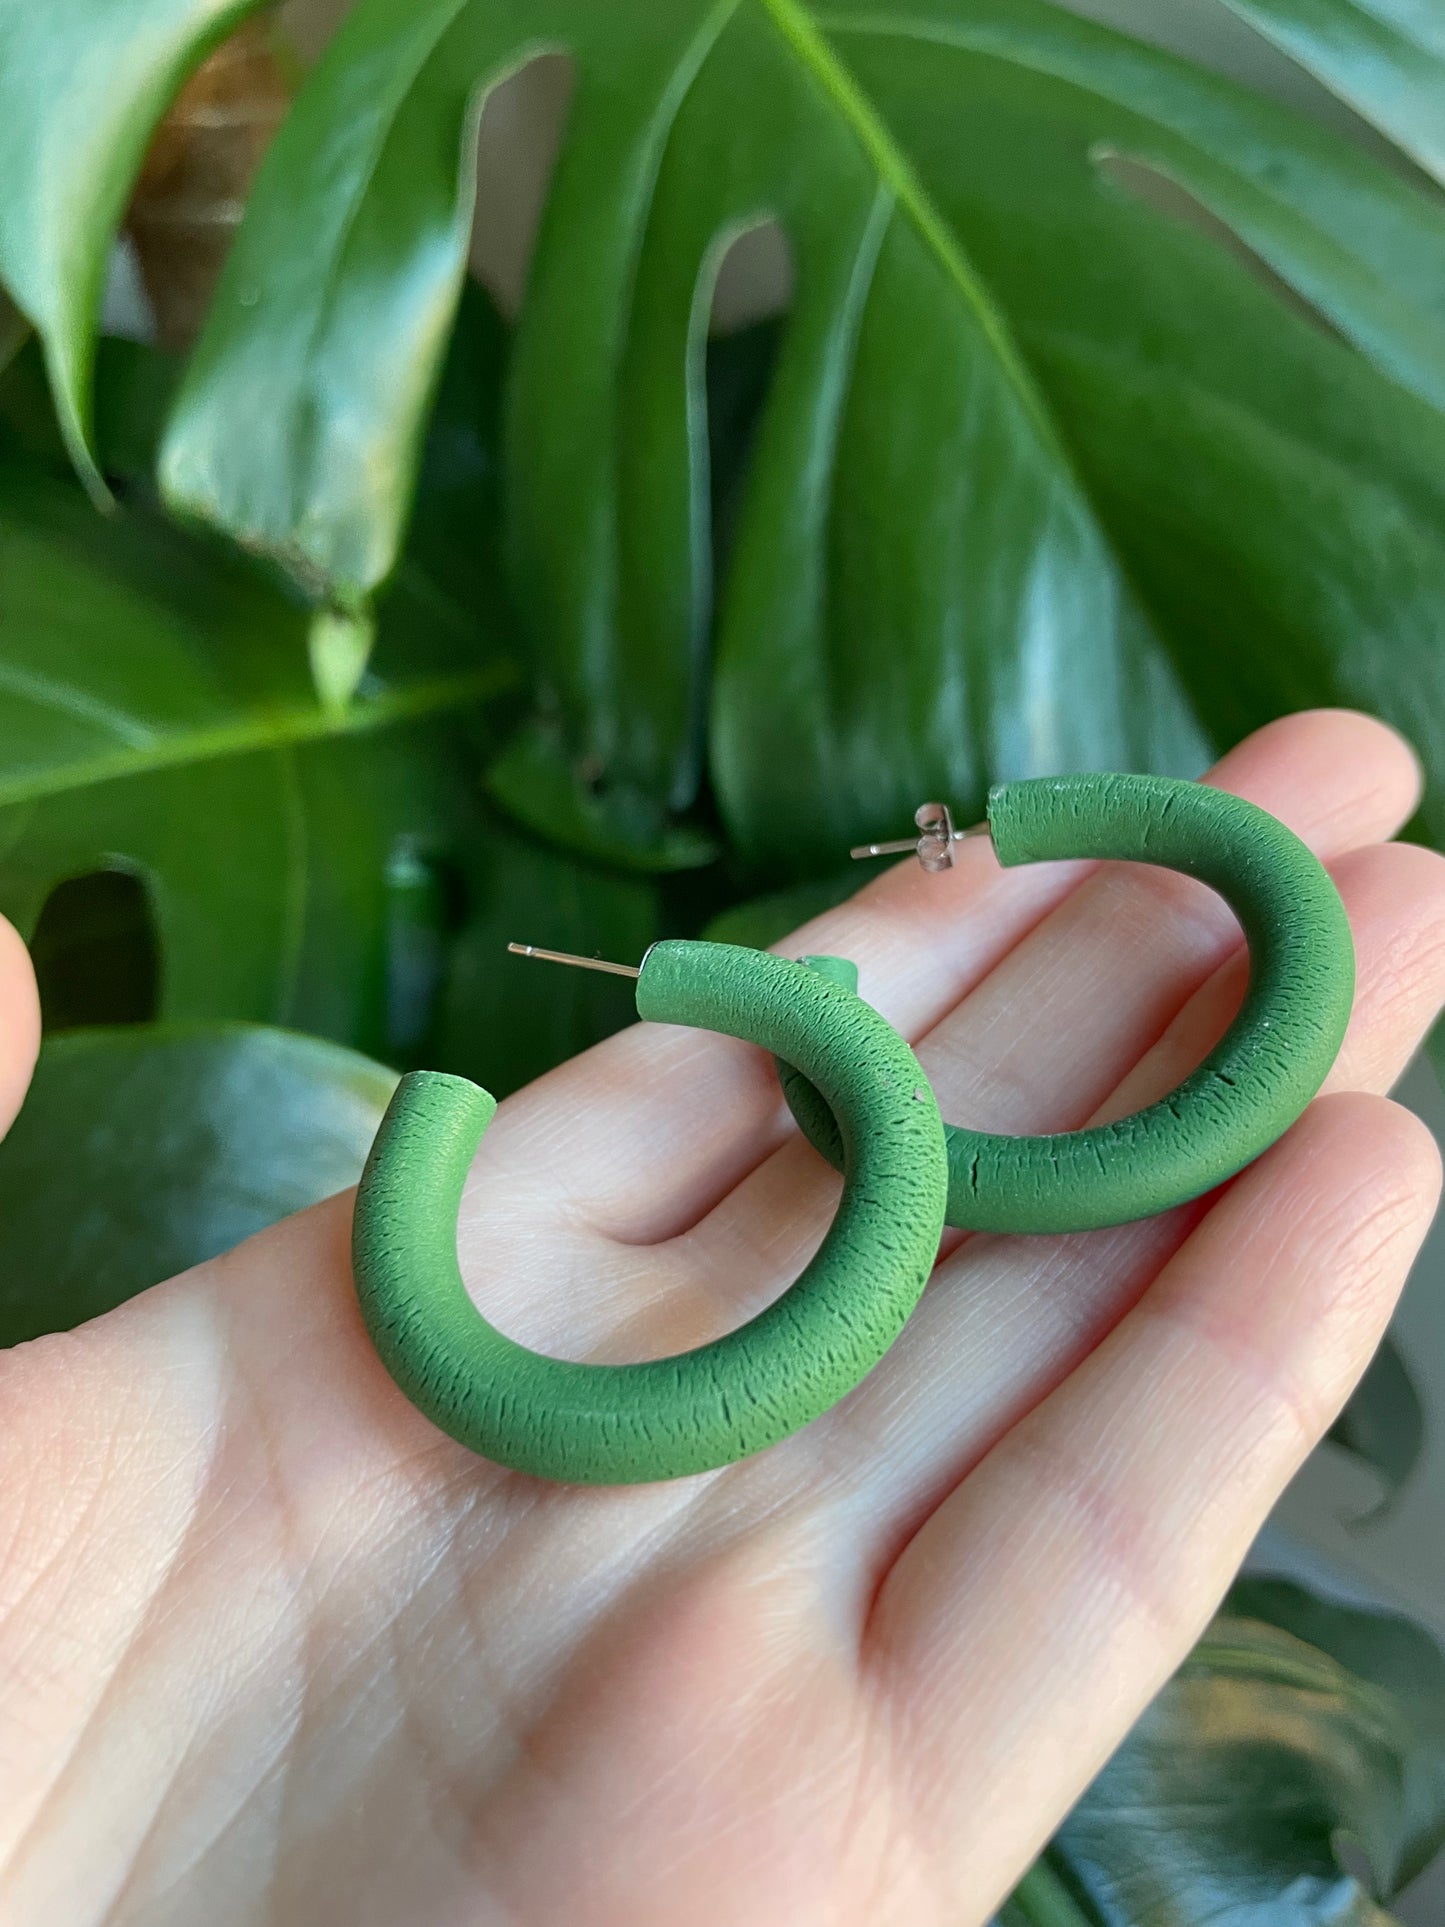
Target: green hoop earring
<point x="1250" y="1088"/>
<point x="623" y="1424"/>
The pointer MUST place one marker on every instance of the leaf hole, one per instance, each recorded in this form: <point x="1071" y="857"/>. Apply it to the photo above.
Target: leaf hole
<point x="1155" y="188"/>
<point x="519" y="138"/>
<point x="748" y="280"/>
<point x="753" y="276"/>
<point x="96" y="952"/>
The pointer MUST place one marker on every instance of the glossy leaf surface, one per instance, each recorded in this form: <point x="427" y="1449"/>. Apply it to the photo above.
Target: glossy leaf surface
<point x="190" y="750"/>
<point x="1046" y="475"/>
<point x="1385" y="57"/>
<point x="1294" y="1722"/>
<point x="1009" y="435"/>
<point x="82" y="85"/>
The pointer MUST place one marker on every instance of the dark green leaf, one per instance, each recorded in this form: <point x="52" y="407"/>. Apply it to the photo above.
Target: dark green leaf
<point x="136" y="385"/>
<point x="29" y="430"/>
<point x="1042" y="1900"/>
<point x="82" y="85"/>
<point x="1435" y="1046"/>
<point x="14" y="331"/>
<point x="155" y="717"/>
<point x="1384" y="1422"/>
<point x="740" y="369"/>
<point x="142" y="1151"/>
<point x="1385" y="57"/>
<point x="1005" y="375"/>
<point x="1394" y="1657"/>
<point x="267" y="856"/>
<point x="1274" y="493"/>
<point x="1294" y="1723"/>
<point x="452" y="561"/>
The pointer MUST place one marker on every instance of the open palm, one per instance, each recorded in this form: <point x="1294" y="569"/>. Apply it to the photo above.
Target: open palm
<point x="272" y="1649"/>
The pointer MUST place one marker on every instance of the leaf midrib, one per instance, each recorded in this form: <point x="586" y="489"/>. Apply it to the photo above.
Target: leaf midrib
<point x="814" y="52"/>
<point x="265" y="730"/>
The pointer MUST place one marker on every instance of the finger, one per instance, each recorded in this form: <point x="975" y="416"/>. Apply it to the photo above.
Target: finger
<point x="1059" y="1585"/>
<point x="1006" y="1320"/>
<point x="664" y="1122"/>
<point x="1396" y="899"/>
<point x="1394" y="894"/>
<point x="19" y="1024"/>
<point x="1103" y="976"/>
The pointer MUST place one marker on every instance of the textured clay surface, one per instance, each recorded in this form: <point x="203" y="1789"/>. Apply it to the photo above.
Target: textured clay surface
<point x="1246" y="1093"/>
<point x="621" y="1424"/>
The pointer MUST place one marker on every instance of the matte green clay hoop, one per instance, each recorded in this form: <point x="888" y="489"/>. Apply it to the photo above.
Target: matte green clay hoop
<point x="1248" y="1091"/>
<point x="622" y="1424"/>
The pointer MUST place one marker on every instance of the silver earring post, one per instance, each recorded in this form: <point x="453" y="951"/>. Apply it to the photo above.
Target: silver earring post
<point x="935" y="846"/>
<point x="581" y="963"/>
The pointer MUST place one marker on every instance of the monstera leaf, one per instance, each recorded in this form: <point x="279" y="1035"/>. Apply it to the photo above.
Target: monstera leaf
<point x="956" y="426"/>
<point x="329" y="868"/>
<point x="82" y="85"/>
<point x="1103" y="424"/>
<point x="185" y="830"/>
<point x="1383" y="1425"/>
<point x="1294" y="1724"/>
<point x="156" y="717"/>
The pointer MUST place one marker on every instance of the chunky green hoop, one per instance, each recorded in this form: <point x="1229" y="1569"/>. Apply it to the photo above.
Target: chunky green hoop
<point x="1246" y="1093"/>
<point x="623" y="1424"/>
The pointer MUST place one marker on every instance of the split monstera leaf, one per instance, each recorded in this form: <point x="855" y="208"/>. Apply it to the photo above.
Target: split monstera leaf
<point x="1048" y="472"/>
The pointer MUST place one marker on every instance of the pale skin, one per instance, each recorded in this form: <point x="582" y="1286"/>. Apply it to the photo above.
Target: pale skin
<point x="273" y="1650"/>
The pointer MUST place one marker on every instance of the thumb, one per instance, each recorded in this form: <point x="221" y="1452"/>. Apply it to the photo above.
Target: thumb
<point x="19" y="1024"/>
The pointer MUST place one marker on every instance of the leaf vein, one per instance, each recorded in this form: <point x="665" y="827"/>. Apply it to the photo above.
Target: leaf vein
<point x="265" y="731"/>
<point x="813" y="50"/>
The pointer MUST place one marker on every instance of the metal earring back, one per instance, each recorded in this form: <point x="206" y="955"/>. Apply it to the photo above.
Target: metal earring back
<point x="935" y="846"/>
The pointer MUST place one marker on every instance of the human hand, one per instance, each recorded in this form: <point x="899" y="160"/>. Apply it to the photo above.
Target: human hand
<point x="272" y="1649"/>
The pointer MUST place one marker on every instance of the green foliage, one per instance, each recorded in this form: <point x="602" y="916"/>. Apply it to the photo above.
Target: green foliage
<point x="330" y="867"/>
<point x="1042" y="478"/>
<point x="767" y="919"/>
<point x="899" y="558"/>
<point x="1383" y="56"/>
<point x="191" y="749"/>
<point x="1384" y="1423"/>
<point x="1293" y="1724"/>
<point x="1104" y="420"/>
<point x="82" y="85"/>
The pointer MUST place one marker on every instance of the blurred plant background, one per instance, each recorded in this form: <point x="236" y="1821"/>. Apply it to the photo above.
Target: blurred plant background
<point x="463" y="478"/>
